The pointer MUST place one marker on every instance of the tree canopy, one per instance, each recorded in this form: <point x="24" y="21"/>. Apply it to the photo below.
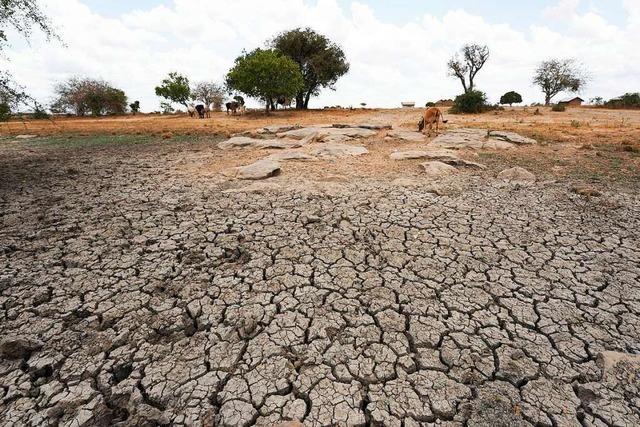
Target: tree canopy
<point x="265" y="74"/>
<point x="466" y="64"/>
<point x="86" y="95"/>
<point x="175" y="88"/>
<point x="559" y="75"/>
<point x="511" y="98"/>
<point x="321" y="61"/>
<point x="209" y="93"/>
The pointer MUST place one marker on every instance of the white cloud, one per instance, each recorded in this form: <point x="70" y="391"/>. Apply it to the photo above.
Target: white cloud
<point x="389" y="62"/>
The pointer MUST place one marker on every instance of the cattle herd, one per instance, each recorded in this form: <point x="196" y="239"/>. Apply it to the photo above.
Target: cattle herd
<point x="203" y="111"/>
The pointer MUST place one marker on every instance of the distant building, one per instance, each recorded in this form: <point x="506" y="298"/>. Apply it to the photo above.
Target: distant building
<point x="408" y="104"/>
<point x="572" y="102"/>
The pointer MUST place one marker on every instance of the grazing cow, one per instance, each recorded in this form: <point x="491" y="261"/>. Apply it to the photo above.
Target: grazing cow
<point x="201" y="110"/>
<point x="207" y="111"/>
<point x="284" y="101"/>
<point x="191" y="110"/>
<point x="232" y="106"/>
<point x="431" y="115"/>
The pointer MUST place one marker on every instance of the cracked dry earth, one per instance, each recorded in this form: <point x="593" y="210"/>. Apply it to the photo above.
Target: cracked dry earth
<point x="132" y="293"/>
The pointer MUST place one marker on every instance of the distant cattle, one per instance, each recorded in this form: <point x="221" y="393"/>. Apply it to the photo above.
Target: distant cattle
<point x="431" y="115"/>
<point x="191" y="110"/>
<point x="232" y="107"/>
<point x="201" y="110"/>
<point x="284" y="101"/>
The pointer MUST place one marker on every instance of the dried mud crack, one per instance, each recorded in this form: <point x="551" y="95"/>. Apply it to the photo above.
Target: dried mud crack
<point x="139" y="295"/>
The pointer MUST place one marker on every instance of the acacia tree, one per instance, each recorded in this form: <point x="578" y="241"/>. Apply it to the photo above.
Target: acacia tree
<point x="511" y="98"/>
<point x="559" y="75"/>
<point x="135" y="107"/>
<point x="209" y="93"/>
<point x="466" y="64"/>
<point x="265" y="74"/>
<point x="321" y="61"/>
<point x="175" y="88"/>
<point x="86" y="95"/>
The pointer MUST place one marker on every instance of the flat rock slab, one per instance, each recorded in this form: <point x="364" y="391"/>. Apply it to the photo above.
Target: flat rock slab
<point x="273" y="129"/>
<point x="292" y="155"/>
<point x="370" y="126"/>
<point x="407" y="135"/>
<point x="436" y="169"/>
<point x="25" y="136"/>
<point x="470" y="138"/>
<point x="246" y="142"/>
<point x="516" y="174"/>
<point x="328" y="134"/>
<point x="261" y="169"/>
<point x="339" y="150"/>
<point x="423" y="154"/>
<point x="511" y="137"/>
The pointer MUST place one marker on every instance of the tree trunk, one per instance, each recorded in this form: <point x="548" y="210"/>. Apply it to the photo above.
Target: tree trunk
<point x="306" y="100"/>
<point x="547" y="100"/>
<point x="300" y="101"/>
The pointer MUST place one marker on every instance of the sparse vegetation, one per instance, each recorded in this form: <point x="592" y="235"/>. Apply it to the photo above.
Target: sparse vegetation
<point x="84" y="95"/>
<point x="628" y="100"/>
<point x="135" y="107"/>
<point x="559" y="75"/>
<point x="558" y="108"/>
<point x="466" y="65"/>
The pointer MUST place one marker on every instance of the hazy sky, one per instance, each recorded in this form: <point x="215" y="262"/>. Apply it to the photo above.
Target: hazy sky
<point x="398" y="50"/>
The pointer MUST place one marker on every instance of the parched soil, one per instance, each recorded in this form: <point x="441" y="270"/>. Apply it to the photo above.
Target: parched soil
<point x="141" y="284"/>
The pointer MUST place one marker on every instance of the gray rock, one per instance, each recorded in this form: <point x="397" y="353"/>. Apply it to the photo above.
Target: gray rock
<point x="25" y="136"/>
<point x="339" y="150"/>
<point x="511" y="137"/>
<point x="292" y="155"/>
<point x="370" y="126"/>
<point x="328" y="134"/>
<point x="469" y="138"/>
<point x="516" y="174"/>
<point x="423" y="154"/>
<point x="244" y="142"/>
<point x="261" y="169"/>
<point x="436" y="169"/>
<point x="407" y="135"/>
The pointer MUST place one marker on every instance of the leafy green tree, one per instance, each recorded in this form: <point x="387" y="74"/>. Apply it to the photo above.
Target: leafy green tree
<point x="474" y="101"/>
<point x="265" y="74"/>
<point x="559" y="75"/>
<point x="321" y="61"/>
<point x="209" y="93"/>
<point x="466" y="65"/>
<point x="175" y="88"/>
<point x="511" y="98"/>
<point x="5" y="111"/>
<point x="135" y="107"/>
<point x="86" y="95"/>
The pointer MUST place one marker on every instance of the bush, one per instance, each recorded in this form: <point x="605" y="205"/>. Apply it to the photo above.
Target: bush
<point x="558" y="108"/>
<point x="5" y="112"/>
<point x="430" y="104"/>
<point x="511" y="98"/>
<point x="86" y="95"/>
<point x="628" y="100"/>
<point x="40" y="113"/>
<point x="474" y="101"/>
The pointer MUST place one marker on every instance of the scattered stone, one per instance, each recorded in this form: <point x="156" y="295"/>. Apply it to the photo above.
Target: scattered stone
<point x="369" y="126"/>
<point x="259" y="170"/>
<point x="516" y="174"/>
<point x="243" y="142"/>
<point x="407" y="135"/>
<point x="339" y="150"/>
<point x="423" y="154"/>
<point x="586" y="190"/>
<point x="436" y="169"/>
<point x="292" y="155"/>
<point x="25" y="136"/>
<point x="470" y="138"/>
<point x="511" y="137"/>
<point x="18" y="348"/>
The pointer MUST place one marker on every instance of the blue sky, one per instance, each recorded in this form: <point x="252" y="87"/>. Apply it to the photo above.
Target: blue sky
<point x="398" y="50"/>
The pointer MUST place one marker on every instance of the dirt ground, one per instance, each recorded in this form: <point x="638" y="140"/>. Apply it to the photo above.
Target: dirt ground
<point x="142" y="283"/>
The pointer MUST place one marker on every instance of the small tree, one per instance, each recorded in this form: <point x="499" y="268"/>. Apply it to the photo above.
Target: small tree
<point x="166" y="107"/>
<point x="175" y="88"/>
<point x="265" y="74"/>
<point x="511" y="98"/>
<point x="598" y="101"/>
<point x="471" y="102"/>
<point x="559" y="75"/>
<point x="5" y="111"/>
<point x="321" y="61"/>
<point x="466" y="65"/>
<point x="209" y="93"/>
<point x="86" y="95"/>
<point x="135" y="107"/>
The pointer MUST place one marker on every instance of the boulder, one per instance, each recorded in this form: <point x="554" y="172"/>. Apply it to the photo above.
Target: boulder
<point x="261" y="169"/>
<point x="436" y="169"/>
<point x="339" y="150"/>
<point x="516" y="174"/>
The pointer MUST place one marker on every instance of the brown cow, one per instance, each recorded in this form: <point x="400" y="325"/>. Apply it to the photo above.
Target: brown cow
<point x="431" y="115"/>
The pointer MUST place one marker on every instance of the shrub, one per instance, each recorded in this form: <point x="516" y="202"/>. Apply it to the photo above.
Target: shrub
<point x="40" y="113"/>
<point x="575" y="124"/>
<point x="5" y="112"/>
<point x="511" y="98"/>
<point x="558" y="108"/>
<point x="86" y="95"/>
<point x="474" y="101"/>
<point x="430" y="104"/>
